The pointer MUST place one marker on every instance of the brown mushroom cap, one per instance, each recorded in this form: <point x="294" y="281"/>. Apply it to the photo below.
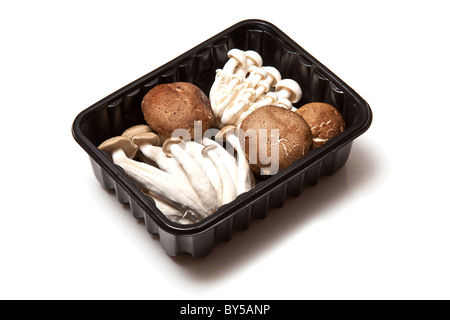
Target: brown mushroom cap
<point x="119" y="142"/>
<point x="177" y="105"/>
<point x="295" y="139"/>
<point x="145" y="137"/>
<point x="168" y="143"/>
<point x="134" y="130"/>
<point x="324" y="120"/>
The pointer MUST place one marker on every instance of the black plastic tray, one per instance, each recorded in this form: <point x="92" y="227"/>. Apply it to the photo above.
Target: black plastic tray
<point x="112" y="115"/>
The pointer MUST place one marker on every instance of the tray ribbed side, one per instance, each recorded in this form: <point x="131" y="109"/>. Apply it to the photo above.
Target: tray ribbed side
<point x="201" y="244"/>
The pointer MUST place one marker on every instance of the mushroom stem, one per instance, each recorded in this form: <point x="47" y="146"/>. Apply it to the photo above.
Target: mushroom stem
<point x="197" y="175"/>
<point x="170" y="211"/>
<point x="236" y="69"/>
<point x="228" y="160"/>
<point x="169" y="165"/>
<point x="221" y="77"/>
<point x="273" y="77"/>
<point x="229" y="188"/>
<point x="196" y="151"/>
<point x="258" y="83"/>
<point x="288" y="89"/>
<point x="237" y="58"/>
<point x="270" y="99"/>
<point x="284" y="103"/>
<point x="257" y="74"/>
<point x="148" y="142"/>
<point x="245" y="178"/>
<point x="231" y="112"/>
<point x="163" y="184"/>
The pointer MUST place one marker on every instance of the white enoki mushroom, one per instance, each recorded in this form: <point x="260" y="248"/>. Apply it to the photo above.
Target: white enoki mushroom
<point x="245" y="178"/>
<point x="196" y="151"/>
<point x="228" y="184"/>
<point x="196" y="174"/>
<point x="164" y="185"/>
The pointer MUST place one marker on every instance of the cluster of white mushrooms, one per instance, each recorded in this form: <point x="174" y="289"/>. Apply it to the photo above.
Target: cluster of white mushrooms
<point x="188" y="180"/>
<point x="244" y="85"/>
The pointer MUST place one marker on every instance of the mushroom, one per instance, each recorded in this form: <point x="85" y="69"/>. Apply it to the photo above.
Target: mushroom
<point x="253" y="59"/>
<point x="270" y="99"/>
<point x="273" y="77"/>
<point x="196" y="174"/>
<point x="228" y="159"/>
<point x="177" y="105"/>
<point x="229" y="191"/>
<point x="245" y="179"/>
<point x="224" y="95"/>
<point x="163" y="184"/>
<point x="293" y="142"/>
<point x="147" y="142"/>
<point x="237" y="58"/>
<point x="196" y="151"/>
<point x="170" y="211"/>
<point x="288" y="89"/>
<point x="256" y="74"/>
<point x="324" y="120"/>
<point x="134" y="130"/>
<point x="287" y="92"/>
<point x="231" y="112"/>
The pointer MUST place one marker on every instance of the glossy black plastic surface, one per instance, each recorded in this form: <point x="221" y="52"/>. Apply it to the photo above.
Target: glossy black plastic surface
<point x="121" y="110"/>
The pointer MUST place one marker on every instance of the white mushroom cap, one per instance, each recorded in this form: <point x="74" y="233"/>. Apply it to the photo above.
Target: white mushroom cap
<point x="237" y="58"/>
<point x="258" y="70"/>
<point x="291" y="88"/>
<point x="257" y="74"/>
<point x="274" y="74"/>
<point x="255" y="57"/>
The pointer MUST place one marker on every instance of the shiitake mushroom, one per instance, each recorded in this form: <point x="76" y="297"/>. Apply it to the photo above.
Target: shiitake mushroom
<point x="324" y="120"/>
<point x="178" y="105"/>
<point x="294" y="138"/>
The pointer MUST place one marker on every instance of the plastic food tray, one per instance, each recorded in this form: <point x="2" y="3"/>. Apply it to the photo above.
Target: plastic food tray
<point x="112" y="115"/>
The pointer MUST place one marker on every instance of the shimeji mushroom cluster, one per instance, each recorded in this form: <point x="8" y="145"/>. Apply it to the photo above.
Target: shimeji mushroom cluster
<point x="188" y="180"/>
<point x="244" y="85"/>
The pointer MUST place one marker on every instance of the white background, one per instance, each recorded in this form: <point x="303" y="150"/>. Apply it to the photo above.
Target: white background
<point x="377" y="229"/>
